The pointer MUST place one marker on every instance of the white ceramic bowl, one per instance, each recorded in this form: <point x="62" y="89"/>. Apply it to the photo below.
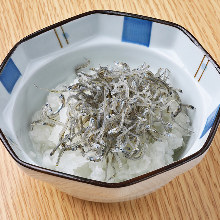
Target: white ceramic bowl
<point x="47" y="58"/>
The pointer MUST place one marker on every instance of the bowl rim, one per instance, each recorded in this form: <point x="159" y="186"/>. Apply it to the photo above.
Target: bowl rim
<point x="137" y="179"/>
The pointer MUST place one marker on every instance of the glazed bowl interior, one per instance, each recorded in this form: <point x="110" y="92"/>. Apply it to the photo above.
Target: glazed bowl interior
<point x="30" y="99"/>
<point x="49" y="70"/>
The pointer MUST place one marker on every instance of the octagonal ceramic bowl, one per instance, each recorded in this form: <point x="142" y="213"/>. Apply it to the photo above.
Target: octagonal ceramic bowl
<point x="47" y="58"/>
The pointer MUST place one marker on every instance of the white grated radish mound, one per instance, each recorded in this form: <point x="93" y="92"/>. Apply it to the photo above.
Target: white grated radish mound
<point x="158" y="154"/>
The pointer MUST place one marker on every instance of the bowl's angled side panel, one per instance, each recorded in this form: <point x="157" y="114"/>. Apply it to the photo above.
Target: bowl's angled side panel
<point x="198" y="64"/>
<point x="102" y="194"/>
<point x="57" y="39"/>
<point x="201" y="68"/>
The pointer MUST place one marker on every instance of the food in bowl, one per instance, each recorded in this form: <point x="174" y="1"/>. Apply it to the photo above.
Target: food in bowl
<point x="46" y="58"/>
<point x="111" y="123"/>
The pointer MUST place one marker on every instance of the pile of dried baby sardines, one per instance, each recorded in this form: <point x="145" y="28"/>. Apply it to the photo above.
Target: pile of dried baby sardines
<point x="115" y="111"/>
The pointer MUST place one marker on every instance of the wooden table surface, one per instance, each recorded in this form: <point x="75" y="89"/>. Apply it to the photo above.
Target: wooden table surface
<point x="193" y="195"/>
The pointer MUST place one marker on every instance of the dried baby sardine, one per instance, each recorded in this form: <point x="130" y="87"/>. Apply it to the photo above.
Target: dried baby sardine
<point x="116" y="111"/>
